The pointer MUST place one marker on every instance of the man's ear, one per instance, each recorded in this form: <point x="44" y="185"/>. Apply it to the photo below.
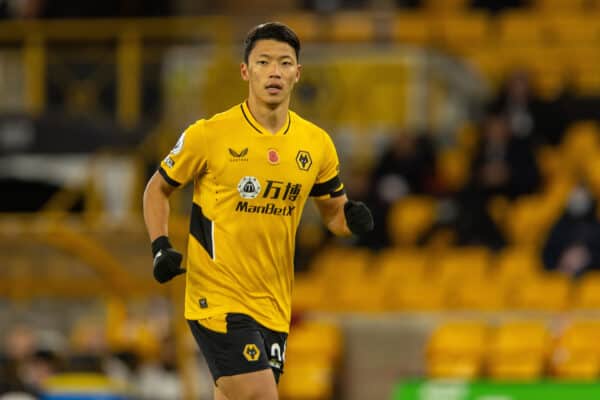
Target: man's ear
<point x="244" y="71"/>
<point x="299" y="70"/>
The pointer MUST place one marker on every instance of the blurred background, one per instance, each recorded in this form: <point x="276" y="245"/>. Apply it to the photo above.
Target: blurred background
<point x="470" y="127"/>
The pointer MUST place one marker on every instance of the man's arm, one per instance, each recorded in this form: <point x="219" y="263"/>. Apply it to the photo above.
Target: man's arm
<point x="344" y="217"/>
<point x="332" y="214"/>
<point x="156" y="206"/>
<point x="167" y="261"/>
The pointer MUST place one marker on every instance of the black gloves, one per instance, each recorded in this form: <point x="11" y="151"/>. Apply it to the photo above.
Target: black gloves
<point x="358" y="217"/>
<point x="167" y="261"/>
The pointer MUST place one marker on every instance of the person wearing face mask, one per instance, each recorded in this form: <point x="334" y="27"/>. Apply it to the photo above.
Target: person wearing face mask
<point x="573" y="245"/>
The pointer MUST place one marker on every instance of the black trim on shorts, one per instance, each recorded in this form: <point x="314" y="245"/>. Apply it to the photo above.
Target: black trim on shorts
<point x="329" y="187"/>
<point x="201" y="229"/>
<point x="167" y="178"/>
<point x="230" y="353"/>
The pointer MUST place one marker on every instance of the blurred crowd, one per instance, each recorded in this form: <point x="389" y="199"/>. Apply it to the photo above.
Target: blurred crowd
<point x="504" y="164"/>
<point x="19" y="9"/>
<point x="135" y="359"/>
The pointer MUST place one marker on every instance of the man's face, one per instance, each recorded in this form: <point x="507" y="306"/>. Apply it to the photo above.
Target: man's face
<point x="272" y="71"/>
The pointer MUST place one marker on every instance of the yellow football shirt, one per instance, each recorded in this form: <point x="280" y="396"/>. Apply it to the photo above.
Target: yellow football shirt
<point x="250" y="187"/>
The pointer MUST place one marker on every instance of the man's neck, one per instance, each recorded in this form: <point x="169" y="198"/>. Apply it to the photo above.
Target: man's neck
<point x="272" y="118"/>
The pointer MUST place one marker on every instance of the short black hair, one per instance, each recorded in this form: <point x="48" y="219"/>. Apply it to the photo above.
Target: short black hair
<point x="271" y="30"/>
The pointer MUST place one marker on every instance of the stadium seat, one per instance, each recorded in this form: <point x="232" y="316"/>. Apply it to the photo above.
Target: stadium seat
<point x="417" y="296"/>
<point x="306" y="25"/>
<point x="313" y="353"/>
<point x="460" y="33"/>
<point x="394" y="264"/>
<point x="84" y="386"/>
<point x="308" y="293"/>
<point x="559" y="6"/>
<point x="412" y="28"/>
<point x="586" y="294"/>
<point x="343" y="275"/>
<point x="351" y="27"/>
<point x="580" y="144"/>
<point x="524" y="28"/>
<point x="488" y="64"/>
<point x="574" y="30"/>
<point x="516" y="263"/>
<point x="481" y="295"/>
<point x="549" y="159"/>
<point x="546" y="292"/>
<point x="455" y="350"/>
<point x="409" y="218"/>
<point x="312" y="340"/>
<point x="592" y="174"/>
<point x="529" y="218"/>
<point x="307" y="380"/>
<point x="518" y="351"/>
<point x="452" y="167"/>
<point x="458" y="265"/>
<point x="576" y="354"/>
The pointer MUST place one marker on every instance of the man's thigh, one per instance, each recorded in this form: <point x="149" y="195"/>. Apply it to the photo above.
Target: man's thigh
<point x="249" y="386"/>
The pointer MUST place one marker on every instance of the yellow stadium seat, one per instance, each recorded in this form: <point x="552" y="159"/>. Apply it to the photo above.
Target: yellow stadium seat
<point x="306" y="25"/>
<point x="409" y="218"/>
<point x="587" y="292"/>
<point x="529" y="218"/>
<point x="458" y="265"/>
<point x="518" y="351"/>
<point x="514" y="264"/>
<point x="587" y="80"/>
<point x="453" y="167"/>
<point x="523" y="28"/>
<point x="482" y="295"/>
<point x="308" y="294"/>
<point x="550" y="161"/>
<point x="580" y="144"/>
<point x="592" y="174"/>
<point x="574" y="29"/>
<point x="455" y="350"/>
<point x="412" y="28"/>
<point x="559" y="6"/>
<point x="351" y="27"/>
<point x="335" y="263"/>
<point x="343" y="275"/>
<point x="365" y="295"/>
<point x="414" y="296"/>
<point x="315" y="340"/>
<point x="401" y="264"/>
<point x="576" y="354"/>
<point x="462" y="32"/>
<point x="546" y="292"/>
<point x="307" y="380"/>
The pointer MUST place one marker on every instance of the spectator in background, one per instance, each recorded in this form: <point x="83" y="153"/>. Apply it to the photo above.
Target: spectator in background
<point x="407" y="166"/>
<point x="530" y="118"/>
<point x="503" y="165"/>
<point x="573" y="245"/>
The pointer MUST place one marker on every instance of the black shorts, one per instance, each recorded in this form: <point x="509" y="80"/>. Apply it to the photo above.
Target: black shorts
<point x="246" y="347"/>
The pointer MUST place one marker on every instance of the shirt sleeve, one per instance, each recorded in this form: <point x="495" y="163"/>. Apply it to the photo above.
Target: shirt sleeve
<point x="187" y="159"/>
<point x="328" y="183"/>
